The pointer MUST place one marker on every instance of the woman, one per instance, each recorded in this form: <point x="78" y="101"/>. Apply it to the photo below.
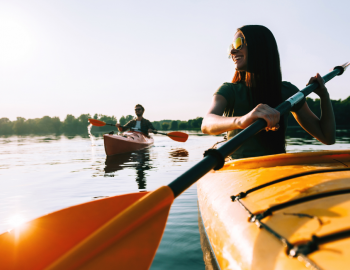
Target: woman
<point x="255" y="90"/>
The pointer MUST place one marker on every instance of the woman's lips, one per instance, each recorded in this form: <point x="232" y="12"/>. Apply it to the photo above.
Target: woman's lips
<point x="237" y="58"/>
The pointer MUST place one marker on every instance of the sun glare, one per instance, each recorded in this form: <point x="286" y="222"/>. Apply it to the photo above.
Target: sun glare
<point x="16" y="221"/>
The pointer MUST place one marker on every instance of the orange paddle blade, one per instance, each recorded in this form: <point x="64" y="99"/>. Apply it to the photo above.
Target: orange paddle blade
<point x="96" y="123"/>
<point x="178" y="136"/>
<point x="103" y="234"/>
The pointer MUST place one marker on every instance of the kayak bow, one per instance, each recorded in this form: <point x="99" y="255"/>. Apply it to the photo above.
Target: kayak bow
<point x="286" y="211"/>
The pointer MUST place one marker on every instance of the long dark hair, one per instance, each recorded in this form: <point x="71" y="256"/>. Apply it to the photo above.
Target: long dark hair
<point x="263" y="78"/>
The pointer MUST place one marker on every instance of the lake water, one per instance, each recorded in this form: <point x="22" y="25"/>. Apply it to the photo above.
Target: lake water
<point x="41" y="174"/>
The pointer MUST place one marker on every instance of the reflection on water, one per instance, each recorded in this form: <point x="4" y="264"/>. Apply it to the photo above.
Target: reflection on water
<point x="140" y="160"/>
<point x="178" y="155"/>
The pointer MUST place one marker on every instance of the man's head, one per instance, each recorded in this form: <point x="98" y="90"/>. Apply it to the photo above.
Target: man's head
<point x="139" y="109"/>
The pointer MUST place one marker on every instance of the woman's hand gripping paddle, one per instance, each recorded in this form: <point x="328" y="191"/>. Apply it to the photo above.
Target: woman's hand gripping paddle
<point x="121" y="232"/>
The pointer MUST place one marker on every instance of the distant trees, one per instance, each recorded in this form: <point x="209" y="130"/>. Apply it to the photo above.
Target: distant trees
<point x="49" y="125"/>
<point x="183" y="125"/>
<point x="73" y="125"/>
<point x="19" y="126"/>
<point x="174" y="125"/>
<point x="123" y="120"/>
<point x="69" y="124"/>
<point x="156" y="125"/>
<point x="192" y="124"/>
<point x="165" y="126"/>
<point x="341" y="110"/>
<point x="6" y="126"/>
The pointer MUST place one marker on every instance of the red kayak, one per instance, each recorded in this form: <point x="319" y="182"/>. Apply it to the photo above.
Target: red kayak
<point x="126" y="142"/>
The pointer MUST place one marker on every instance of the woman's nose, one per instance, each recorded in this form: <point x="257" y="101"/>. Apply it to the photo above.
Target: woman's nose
<point x="233" y="51"/>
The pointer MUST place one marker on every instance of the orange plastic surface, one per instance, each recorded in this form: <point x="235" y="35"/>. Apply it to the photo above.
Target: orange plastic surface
<point x="96" y="123"/>
<point x="178" y="136"/>
<point x="239" y="244"/>
<point x="110" y="233"/>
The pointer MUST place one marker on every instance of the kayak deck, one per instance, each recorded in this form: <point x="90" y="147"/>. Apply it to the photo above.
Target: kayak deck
<point x="307" y="196"/>
<point x="126" y="142"/>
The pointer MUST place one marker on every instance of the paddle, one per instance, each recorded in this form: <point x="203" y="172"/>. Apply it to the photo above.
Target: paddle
<point x="121" y="232"/>
<point x="99" y="123"/>
<point x="176" y="135"/>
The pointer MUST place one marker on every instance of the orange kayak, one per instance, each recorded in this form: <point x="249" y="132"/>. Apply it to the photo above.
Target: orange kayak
<point x="127" y="142"/>
<point x="279" y="212"/>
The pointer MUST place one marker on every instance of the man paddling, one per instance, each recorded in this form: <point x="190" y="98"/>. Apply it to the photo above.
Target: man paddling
<point x="138" y="124"/>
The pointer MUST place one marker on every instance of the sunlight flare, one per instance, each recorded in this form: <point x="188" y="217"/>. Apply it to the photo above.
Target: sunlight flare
<point x="16" y="221"/>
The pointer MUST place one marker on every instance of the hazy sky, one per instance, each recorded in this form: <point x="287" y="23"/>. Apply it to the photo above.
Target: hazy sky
<point x="73" y="57"/>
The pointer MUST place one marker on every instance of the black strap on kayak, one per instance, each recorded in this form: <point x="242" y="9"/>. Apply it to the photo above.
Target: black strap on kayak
<point x="281" y="238"/>
<point x="299" y="250"/>
<point x="244" y="194"/>
<point x="277" y="207"/>
<point x="219" y="157"/>
<point x="284" y="240"/>
<point x="312" y="245"/>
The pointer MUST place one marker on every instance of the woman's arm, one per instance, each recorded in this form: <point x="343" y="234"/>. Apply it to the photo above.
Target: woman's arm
<point x="214" y="123"/>
<point x="323" y="128"/>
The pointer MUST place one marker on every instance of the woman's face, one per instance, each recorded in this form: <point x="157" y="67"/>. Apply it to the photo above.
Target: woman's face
<point x="240" y="57"/>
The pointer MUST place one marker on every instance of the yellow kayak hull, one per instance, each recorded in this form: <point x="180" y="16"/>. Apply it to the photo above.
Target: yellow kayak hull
<point x="322" y="179"/>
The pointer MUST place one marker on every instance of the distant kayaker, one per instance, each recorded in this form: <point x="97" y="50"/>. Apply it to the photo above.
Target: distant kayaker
<point x="139" y="123"/>
<point x="257" y="88"/>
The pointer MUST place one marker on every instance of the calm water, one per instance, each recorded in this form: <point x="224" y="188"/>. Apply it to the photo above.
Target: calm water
<point x="41" y="174"/>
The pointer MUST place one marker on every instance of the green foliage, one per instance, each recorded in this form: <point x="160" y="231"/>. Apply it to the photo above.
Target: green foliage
<point x="19" y="126"/>
<point x="165" y="126"/>
<point x="6" y="126"/>
<point x="183" y="125"/>
<point x="195" y="123"/>
<point x="174" y="125"/>
<point x="341" y="110"/>
<point x="122" y="120"/>
<point x="125" y="119"/>
<point x="129" y="117"/>
<point x="70" y="124"/>
<point x="156" y="124"/>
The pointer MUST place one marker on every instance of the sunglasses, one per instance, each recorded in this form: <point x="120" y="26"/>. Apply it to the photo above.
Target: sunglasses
<point x="138" y="109"/>
<point x="237" y="45"/>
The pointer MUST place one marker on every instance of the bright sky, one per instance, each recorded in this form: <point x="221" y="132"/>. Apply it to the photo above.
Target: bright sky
<point x="83" y="56"/>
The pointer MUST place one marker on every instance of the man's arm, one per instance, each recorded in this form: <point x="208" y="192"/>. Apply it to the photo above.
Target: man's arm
<point x="151" y="127"/>
<point x="127" y="126"/>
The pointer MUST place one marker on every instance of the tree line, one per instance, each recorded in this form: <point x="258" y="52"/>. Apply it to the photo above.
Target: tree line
<point x="78" y="125"/>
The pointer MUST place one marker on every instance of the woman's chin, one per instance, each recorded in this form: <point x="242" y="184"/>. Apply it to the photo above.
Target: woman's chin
<point x="240" y="68"/>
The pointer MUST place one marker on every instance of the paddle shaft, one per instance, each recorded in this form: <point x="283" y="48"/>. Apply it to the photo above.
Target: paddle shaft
<point x="161" y="133"/>
<point x="209" y="162"/>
